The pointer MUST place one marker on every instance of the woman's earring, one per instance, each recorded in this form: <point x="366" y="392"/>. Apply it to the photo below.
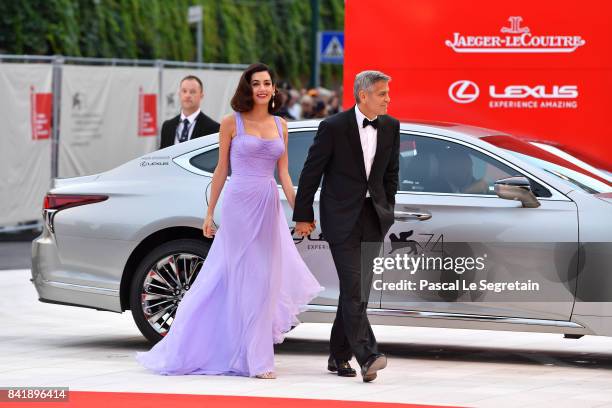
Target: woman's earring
<point x="273" y="95"/>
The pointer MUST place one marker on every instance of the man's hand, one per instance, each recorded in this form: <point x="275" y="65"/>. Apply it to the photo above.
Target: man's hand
<point x="304" y="228"/>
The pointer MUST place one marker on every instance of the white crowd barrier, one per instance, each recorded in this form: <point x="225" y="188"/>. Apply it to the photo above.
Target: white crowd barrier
<point x="25" y="141"/>
<point x="108" y="114"/>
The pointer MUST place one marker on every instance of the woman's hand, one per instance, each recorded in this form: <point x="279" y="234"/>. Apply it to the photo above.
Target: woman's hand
<point x="208" y="228"/>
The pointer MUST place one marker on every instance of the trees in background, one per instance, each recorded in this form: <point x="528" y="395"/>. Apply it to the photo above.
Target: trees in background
<point x="275" y="32"/>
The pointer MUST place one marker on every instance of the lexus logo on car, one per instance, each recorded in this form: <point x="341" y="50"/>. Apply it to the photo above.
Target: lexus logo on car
<point x="463" y="91"/>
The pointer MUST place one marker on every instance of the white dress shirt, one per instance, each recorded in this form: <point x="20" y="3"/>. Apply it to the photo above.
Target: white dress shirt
<point x="368" y="137"/>
<point x="179" y="129"/>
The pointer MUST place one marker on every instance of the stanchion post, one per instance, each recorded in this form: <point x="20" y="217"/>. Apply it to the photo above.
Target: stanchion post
<point x="160" y="83"/>
<point x="56" y="90"/>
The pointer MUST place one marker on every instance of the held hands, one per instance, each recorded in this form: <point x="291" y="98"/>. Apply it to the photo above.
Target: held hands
<point x="208" y="228"/>
<point x="304" y="228"/>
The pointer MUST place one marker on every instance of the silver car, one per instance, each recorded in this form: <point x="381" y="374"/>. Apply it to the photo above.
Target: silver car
<point x="131" y="239"/>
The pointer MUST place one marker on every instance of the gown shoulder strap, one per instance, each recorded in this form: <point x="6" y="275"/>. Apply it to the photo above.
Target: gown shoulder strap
<point x="279" y="126"/>
<point x="239" y="124"/>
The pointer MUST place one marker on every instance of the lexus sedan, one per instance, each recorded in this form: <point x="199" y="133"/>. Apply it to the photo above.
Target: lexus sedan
<point x="131" y="239"/>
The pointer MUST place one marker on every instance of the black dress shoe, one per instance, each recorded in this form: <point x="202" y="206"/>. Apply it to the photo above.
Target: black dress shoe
<point x="375" y="362"/>
<point x="342" y="367"/>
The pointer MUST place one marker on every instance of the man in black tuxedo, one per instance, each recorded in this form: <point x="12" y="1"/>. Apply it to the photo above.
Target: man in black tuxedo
<point x="191" y="122"/>
<point x="357" y="152"/>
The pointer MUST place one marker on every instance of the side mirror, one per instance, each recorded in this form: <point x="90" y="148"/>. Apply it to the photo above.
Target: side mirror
<point x="516" y="188"/>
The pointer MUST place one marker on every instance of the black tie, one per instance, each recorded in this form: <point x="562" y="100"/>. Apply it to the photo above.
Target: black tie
<point x="373" y="123"/>
<point x="185" y="131"/>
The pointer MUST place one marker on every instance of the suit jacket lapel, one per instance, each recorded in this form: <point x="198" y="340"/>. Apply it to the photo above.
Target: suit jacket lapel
<point x="171" y="130"/>
<point x="197" y="126"/>
<point x="355" y="141"/>
<point x="174" y="124"/>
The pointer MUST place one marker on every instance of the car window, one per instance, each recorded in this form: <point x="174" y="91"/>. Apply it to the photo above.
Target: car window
<point x="299" y="143"/>
<point x="439" y="166"/>
<point x="206" y="161"/>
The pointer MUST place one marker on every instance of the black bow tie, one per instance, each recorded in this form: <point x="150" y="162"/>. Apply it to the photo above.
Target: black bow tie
<point x="373" y="123"/>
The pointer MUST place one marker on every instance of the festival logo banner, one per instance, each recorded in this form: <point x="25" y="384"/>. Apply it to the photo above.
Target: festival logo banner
<point x="147" y="114"/>
<point x="41" y="105"/>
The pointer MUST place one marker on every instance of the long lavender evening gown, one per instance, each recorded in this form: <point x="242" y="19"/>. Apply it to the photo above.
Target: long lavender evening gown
<point x="253" y="282"/>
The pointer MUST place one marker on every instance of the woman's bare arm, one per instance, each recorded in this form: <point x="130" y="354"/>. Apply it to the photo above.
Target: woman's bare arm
<point x="283" y="169"/>
<point x="226" y="132"/>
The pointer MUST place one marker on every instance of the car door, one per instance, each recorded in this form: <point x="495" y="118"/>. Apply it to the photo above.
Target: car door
<point x="446" y="199"/>
<point x="313" y="249"/>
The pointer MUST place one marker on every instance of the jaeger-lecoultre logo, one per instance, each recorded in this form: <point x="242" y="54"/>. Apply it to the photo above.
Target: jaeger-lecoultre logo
<point x="517" y="39"/>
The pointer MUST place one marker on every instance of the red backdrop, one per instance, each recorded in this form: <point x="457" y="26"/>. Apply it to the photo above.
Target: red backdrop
<point x="553" y="57"/>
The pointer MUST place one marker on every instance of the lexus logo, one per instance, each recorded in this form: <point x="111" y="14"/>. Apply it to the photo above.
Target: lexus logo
<point x="463" y="91"/>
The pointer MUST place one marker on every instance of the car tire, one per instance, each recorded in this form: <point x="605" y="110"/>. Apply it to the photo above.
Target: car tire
<point x="163" y="285"/>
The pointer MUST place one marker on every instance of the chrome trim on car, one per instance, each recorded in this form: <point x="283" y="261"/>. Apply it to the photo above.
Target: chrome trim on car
<point x="183" y="160"/>
<point x="454" y="316"/>
<point x="82" y="288"/>
<point x="489" y="196"/>
<point x="48" y="216"/>
<point x="411" y="215"/>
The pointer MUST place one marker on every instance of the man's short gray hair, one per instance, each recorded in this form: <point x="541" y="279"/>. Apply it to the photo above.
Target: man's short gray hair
<point x="365" y="79"/>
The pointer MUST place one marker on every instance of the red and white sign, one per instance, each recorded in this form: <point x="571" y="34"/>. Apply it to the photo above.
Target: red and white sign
<point x="41" y="105"/>
<point x="541" y="70"/>
<point x="147" y="114"/>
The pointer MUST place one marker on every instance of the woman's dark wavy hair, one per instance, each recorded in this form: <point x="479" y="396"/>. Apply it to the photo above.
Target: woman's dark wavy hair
<point x="242" y="101"/>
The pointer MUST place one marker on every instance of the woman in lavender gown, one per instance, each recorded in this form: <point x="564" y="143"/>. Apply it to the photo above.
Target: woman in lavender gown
<point x="253" y="282"/>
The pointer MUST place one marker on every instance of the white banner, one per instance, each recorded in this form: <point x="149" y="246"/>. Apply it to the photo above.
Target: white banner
<point x="219" y="87"/>
<point x="25" y="141"/>
<point x="108" y="116"/>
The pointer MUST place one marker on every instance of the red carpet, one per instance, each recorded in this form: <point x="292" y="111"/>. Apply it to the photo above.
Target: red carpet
<point x="141" y="400"/>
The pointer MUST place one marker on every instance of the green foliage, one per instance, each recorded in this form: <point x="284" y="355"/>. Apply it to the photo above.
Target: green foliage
<point x="276" y="32"/>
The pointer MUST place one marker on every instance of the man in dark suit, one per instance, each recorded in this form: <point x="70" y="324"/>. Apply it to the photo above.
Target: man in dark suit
<point x="191" y="122"/>
<point x="357" y="152"/>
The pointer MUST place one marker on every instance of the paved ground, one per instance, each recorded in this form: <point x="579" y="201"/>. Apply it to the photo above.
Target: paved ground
<point x="51" y="345"/>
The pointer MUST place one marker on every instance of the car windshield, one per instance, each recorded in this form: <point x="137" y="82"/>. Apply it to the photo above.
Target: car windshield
<point x="578" y="176"/>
